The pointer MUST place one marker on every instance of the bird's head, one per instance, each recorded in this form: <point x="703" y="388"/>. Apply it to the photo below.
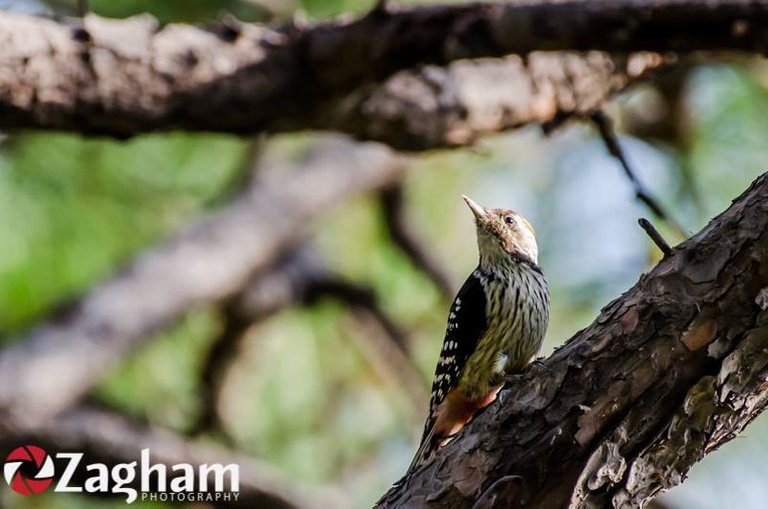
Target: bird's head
<point x="501" y="233"/>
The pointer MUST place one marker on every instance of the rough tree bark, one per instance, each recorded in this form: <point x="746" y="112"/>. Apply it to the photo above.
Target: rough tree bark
<point x="668" y="372"/>
<point x="132" y="76"/>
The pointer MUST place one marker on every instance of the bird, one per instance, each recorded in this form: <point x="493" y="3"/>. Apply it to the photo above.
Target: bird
<point x="496" y="325"/>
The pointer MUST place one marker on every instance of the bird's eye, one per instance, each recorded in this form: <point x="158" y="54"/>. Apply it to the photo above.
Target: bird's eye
<point x="510" y="220"/>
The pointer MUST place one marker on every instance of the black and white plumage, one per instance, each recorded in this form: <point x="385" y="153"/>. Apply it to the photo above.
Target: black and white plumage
<point x="496" y="325"/>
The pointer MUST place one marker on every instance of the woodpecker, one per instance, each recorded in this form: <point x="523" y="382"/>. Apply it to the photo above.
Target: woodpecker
<point x="496" y="325"/>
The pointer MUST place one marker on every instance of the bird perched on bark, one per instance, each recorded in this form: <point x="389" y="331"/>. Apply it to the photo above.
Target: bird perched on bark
<point x="495" y="326"/>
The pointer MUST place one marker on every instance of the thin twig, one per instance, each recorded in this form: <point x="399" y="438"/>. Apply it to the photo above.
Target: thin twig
<point x="271" y="291"/>
<point x="302" y="279"/>
<point x="224" y="348"/>
<point x="245" y="174"/>
<point x="655" y="236"/>
<point x="361" y="297"/>
<point x="222" y="353"/>
<point x="401" y="233"/>
<point x="605" y="128"/>
<point x="641" y="327"/>
<point x="388" y="348"/>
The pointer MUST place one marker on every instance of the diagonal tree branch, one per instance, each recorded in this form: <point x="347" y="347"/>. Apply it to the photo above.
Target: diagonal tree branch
<point x="668" y="372"/>
<point x="655" y="236"/>
<point x="132" y="76"/>
<point x="605" y="127"/>
<point x="61" y="359"/>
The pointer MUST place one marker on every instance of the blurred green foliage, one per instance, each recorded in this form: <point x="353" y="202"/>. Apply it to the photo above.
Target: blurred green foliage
<point x="205" y="11"/>
<point x="73" y="210"/>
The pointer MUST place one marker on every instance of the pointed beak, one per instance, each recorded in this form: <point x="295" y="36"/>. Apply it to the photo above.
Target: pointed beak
<point x="476" y="209"/>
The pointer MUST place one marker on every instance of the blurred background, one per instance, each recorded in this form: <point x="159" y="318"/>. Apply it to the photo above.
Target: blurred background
<point x="304" y="393"/>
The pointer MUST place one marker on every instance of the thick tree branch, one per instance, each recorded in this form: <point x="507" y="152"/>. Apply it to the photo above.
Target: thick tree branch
<point x="109" y="438"/>
<point x="133" y="76"/>
<point x="57" y="362"/>
<point x="668" y="372"/>
<point x="455" y="105"/>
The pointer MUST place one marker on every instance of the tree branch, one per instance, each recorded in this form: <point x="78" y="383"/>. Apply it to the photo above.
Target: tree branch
<point x="611" y="141"/>
<point x="453" y="106"/>
<point x="655" y="236"/>
<point x="301" y="278"/>
<point x="403" y="235"/>
<point x="62" y="358"/>
<point x="268" y="292"/>
<point x="668" y="372"/>
<point x="222" y="353"/>
<point x="82" y="8"/>
<point x="132" y="76"/>
<point x="385" y="344"/>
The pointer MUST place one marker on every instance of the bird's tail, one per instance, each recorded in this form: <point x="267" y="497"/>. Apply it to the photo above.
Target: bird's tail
<point x="421" y="456"/>
<point x="425" y="448"/>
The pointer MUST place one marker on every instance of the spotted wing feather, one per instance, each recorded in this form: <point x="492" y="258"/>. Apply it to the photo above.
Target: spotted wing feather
<point x="466" y="324"/>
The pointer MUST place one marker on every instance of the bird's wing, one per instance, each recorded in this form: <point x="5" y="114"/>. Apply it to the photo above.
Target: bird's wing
<point x="466" y="325"/>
